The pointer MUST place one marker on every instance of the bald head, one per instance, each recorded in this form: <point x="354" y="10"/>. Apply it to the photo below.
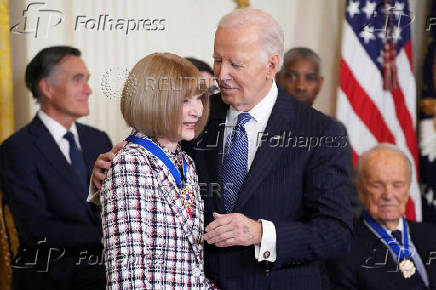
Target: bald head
<point x="381" y="149"/>
<point x="383" y="183"/>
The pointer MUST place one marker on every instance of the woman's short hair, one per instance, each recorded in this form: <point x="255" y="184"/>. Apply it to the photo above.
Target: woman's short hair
<point x="153" y="95"/>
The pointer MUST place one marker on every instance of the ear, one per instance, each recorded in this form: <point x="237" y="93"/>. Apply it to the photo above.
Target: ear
<point x="359" y="189"/>
<point x="46" y="88"/>
<point x="277" y="77"/>
<point x="273" y="66"/>
<point x="321" y="81"/>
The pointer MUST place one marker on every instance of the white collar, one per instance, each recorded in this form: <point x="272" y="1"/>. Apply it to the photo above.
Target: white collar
<point x="399" y="227"/>
<point x="261" y="111"/>
<point x="56" y="129"/>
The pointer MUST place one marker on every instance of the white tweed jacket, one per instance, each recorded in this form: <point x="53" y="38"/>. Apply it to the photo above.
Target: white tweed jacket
<point x="150" y="241"/>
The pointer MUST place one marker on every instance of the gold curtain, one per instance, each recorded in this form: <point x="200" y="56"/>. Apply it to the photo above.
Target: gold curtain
<point x="8" y="235"/>
<point x="6" y="100"/>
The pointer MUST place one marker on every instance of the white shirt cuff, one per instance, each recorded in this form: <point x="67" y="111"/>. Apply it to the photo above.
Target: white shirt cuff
<point x="93" y="194"/>
<point x="267" y="248"/>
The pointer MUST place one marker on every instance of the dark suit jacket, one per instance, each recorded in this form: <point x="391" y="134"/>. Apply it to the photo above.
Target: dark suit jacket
<point x="370" y="265"/>
<point x="356" y="204"/>
<point x="302" y="190"/>
<point x="49" y="208"/>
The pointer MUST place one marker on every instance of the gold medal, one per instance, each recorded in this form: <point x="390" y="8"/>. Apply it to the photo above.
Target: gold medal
<point x="187" y="196"/>
<point x="407" y="268"/>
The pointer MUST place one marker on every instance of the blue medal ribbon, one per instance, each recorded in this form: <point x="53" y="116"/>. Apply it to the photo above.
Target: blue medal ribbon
<point x="154" y="149"/>
<point x="401" y="253"/>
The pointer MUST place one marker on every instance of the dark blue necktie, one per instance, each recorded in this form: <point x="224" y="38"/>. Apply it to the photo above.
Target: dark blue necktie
<point x="234" y="165"/>
<point x="77" y="162"/>
<point x="398" y="236"/>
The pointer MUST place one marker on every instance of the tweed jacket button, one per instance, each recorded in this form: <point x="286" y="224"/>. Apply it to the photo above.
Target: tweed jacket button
<point x="196" y="272"/>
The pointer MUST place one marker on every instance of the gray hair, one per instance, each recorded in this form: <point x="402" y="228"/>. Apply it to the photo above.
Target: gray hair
<point x="271" y="35"/>
<point x="382" y="147"/>
<point x="300" y="52"/>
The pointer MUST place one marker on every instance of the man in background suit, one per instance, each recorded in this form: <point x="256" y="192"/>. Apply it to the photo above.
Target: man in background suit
<point x="383" y="182"/>
<point x="300" y="77"/>
<point x="276" y="202"/>
<point x="45" y="168"/>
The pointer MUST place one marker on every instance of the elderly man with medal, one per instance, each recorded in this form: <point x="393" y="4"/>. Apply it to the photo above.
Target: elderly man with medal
<point x="388" y="251"/>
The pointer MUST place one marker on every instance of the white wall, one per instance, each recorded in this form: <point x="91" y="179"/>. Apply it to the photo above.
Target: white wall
<point x="189" y="31"/>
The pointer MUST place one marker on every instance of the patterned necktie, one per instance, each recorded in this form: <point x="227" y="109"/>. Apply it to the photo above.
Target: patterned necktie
<point x="77" y="162"/>
<point x="234" y="165"/>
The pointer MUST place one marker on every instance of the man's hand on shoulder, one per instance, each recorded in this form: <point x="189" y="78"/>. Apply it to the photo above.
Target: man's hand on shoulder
<point x="103" y="163"/>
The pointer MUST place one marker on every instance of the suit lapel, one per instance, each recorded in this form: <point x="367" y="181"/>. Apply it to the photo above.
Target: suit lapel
<point x="279" y="123"/>
<point x="50" y="150"/>
<point x="421" y="250"/>
<point x="88" y="156"/>
<point x="212" y="144"/>
<point x="420" y="247"/>
<point x="214" y="159"/>
<point x="85" y="143"/>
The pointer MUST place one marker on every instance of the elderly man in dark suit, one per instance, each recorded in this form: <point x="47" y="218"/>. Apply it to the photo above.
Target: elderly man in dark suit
<point x="282" y="205"/>
<point x="45" y="170"/>
<point x="273" y="170"/>
<point x="388" y="252"/>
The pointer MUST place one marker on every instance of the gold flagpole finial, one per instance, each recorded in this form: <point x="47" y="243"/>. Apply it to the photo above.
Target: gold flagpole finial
<point x="242" y="3"/>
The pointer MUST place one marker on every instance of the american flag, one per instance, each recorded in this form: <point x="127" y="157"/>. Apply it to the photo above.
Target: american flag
<point x="427" y="142"/>
<point x="377" y="94"/>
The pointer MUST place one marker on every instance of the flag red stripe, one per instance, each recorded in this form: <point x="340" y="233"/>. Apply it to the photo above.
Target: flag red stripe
<point x="406" y="123"/>
<point x="363" y="106"/>
<point x="408" y="51"/>
<point x="355" y="158"/>
<point x="408" y="129"/>
<point x="410" y="209"/>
